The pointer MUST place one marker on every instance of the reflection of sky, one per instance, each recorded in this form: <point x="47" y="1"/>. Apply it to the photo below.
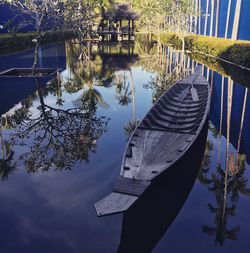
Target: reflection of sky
<point x="53" y="211"/>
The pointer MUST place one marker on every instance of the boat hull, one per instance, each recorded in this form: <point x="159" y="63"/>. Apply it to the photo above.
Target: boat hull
<point x="162" y="138"/>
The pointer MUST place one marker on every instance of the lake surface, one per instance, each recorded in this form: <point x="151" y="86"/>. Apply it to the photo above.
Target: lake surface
<point x="62" y="145"/>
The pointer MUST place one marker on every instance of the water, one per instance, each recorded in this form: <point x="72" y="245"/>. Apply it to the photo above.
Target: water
<point x="63" y="145"/>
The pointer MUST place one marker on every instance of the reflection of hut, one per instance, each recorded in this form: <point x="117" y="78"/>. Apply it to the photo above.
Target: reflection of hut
<point x="118" y="22"/>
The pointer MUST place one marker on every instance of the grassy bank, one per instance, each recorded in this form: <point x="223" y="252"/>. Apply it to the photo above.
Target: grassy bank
<point x="237" y="52"/>
<point x="24" y="40"/>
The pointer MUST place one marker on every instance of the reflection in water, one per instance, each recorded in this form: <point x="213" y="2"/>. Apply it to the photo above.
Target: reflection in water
<point x="225" y="184"/>
<point x="123" y="93"/>
<point x="7" y="165"/>
<point x="172" y="67"/>
<point x="62" y="123"/>
<point x="150" y="217"/>
<point x="57" y="137"/>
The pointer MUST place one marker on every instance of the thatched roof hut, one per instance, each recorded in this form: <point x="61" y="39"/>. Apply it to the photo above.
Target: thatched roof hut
<point x="121" y="11"/>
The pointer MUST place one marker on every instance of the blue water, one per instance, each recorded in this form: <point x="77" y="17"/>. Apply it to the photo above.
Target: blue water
<point x="58" y="162"/>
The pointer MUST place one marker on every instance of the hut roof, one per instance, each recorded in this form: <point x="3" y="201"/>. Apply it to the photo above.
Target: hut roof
<point x="121" y="11"/>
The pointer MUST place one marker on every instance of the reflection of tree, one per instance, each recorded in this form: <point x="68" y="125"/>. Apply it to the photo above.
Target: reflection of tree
<point x="86" y="66"/>
<point x="225" y="185"/>
<point x="7" y="165"/>
<point x="86" y="69"/>
<point x="58" y="137"/>
<point x="57" y="82"/>
<point x="169" y="65"/>
<point x="205" y="165"/>
<point x="123" y="94"/>
<point x="239" y="183"/>
<point x="219" y="187"/>
<point x="91" y="97"/>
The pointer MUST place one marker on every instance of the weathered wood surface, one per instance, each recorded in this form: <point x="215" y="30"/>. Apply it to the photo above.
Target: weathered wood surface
<point x="131" y="186"/>
<point x="114" y="203"/>
<point x="152" y="152"/>
<point x="162" y="138"/>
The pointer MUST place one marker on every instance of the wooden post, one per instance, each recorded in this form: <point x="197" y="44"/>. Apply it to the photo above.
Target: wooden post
<point x="121" y="29"/>
<point x="133" y="26"/>
<point x="129" y="29"/>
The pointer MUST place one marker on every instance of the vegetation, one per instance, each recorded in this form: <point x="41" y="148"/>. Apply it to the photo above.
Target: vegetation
<point x="237" y="52"/>
<point x="44" y="16"/>
<point x="24" y="40"/>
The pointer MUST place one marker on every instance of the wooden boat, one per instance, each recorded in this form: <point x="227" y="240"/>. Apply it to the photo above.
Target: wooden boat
<point x="159" y="141"/>
<point x="150" y="217"/>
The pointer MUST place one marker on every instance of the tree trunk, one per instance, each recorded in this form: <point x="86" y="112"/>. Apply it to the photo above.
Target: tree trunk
<point x="36" y="57"/>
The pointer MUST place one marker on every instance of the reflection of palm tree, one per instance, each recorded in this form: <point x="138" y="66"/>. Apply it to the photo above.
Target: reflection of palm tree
<point x="221" y="184"/>
<point x="123" y="94"/>
<point x="219" y="188"/>
<point x="86" y="70"/>
<point x="92" y="97"/>
<point x="132" y="124"/>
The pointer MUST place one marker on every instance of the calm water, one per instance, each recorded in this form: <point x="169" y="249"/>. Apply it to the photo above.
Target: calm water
<point x="62" y="145"/>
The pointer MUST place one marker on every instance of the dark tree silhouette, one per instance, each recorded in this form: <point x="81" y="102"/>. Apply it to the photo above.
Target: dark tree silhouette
<point x="58" y="137"/>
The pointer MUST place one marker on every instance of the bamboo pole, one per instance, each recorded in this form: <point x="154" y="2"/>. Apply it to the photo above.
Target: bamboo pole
<point x="196" y="17"/>
<point x="229" y="112"/>
<point x="242" y="121"/>
<point x="199" y="9"/>
<point x="212" y="18"/>
<point x="228" y="17"/>
<point x="236" y="20"/>
<point x="217" y="18"/>
<point x="221" y="115"/>
<point x="133" y="96"/>
<point x="206" y="18"/>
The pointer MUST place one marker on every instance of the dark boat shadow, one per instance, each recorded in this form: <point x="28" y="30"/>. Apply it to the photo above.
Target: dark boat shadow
<point x="149" y="218"/>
